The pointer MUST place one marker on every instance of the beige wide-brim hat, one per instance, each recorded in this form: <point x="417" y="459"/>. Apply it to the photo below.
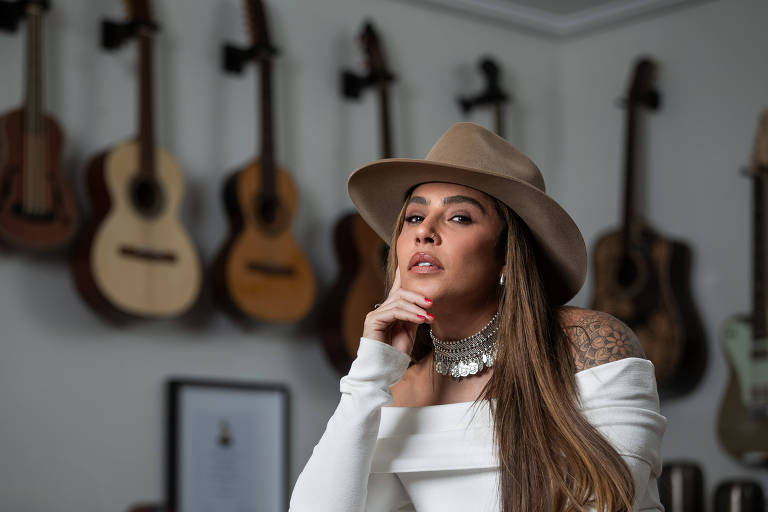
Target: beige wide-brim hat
<point x="470" y="155"/>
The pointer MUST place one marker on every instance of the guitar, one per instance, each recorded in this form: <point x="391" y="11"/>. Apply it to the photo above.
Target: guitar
<point x="643" y="278"/>
<point x="135" y="259"/>
<point x="361" y="254"/>
<point x="260" y="272"/>
<point x="743" y="421"/>
<point x="739" y="496"/>
<point x="38" y="210"/>
<point x="681" y="487"/>
<point x="492" y="95"/>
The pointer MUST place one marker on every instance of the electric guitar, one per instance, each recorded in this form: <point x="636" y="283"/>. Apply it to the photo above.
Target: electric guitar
<point x="260" y="272"/>
<point x="37" y="207"/>
<point x="135" y="258"/>
<point x="642" y="278"/>
<point x="743" y="421"/>
<point x="361" y="254"/>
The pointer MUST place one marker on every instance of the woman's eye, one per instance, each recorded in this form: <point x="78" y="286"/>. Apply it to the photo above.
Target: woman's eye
<point x="462" y="219"/>
<point x="412" y="219"/>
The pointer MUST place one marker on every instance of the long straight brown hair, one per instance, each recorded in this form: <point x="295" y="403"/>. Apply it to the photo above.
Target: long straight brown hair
<point x="550" y="457"/>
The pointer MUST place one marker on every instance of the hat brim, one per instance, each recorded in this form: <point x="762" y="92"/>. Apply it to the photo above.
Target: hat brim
<point x="379" y="188"/>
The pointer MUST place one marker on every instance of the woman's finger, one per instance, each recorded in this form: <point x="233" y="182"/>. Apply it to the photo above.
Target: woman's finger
<point x="406" y="305"/>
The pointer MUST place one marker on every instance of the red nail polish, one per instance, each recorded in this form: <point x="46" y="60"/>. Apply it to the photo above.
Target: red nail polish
<point x="422" y="317"/>
<point x="430" y="316"/>
<point x="427" y="299"/>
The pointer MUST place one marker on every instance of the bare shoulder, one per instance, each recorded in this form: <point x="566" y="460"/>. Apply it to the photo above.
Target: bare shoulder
<point x="598" y="338"/>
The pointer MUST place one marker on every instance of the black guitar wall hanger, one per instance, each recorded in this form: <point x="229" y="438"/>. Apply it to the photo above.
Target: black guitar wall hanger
<point x="234" y="58"/>
<point x="352" y="84"/>
<point x="115" y="34"/>
<point x="12" y="12"/>
<point x="492" y="94"/>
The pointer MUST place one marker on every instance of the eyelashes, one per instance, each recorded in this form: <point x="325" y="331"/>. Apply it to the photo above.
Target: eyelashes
<point x="458" y="218"/>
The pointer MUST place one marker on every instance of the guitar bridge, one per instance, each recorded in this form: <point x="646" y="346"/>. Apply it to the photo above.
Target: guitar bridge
<point x="266" y="268"/>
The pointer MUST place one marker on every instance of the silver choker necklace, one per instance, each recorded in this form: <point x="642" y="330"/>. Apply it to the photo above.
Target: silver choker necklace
<point x="469" y="355"/>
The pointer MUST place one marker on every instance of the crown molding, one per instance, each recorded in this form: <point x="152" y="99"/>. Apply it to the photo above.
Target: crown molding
<point x="559" y="24"/>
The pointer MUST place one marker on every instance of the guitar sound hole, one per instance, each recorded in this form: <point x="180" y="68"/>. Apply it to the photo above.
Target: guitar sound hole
<point x="147" y="196"/>
<point x="268" y="209"/>
<point x="628" y="273"/>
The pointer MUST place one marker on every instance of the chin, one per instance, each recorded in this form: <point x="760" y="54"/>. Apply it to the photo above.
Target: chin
<point x="428" y="286"/>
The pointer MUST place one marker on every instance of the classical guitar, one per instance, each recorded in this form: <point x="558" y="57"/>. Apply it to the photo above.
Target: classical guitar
<point x="260" y="272"/>
<point x="135" y="258"/>
<point x="642" y="277"/>
<point x="493" y="94"/>
<point x="37" y="208"/>
<point x="743" y="422"/>
<point x="361" y="254"/>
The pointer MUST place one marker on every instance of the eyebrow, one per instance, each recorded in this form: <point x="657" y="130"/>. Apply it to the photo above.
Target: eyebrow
<point x="449" y="200"/>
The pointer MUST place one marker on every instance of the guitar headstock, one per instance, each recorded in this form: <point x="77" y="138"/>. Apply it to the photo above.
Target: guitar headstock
<point x="642" y="91"/>
<point x="139" y="11"/>
<point x="760" y="148"/>
<point x="376" y="62"/>
<point x="258" y="28"/>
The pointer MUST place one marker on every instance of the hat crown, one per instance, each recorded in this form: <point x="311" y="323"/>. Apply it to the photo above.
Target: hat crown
<point x="470" y="145"/>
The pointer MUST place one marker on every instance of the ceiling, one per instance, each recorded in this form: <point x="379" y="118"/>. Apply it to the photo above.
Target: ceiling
<point x="559" y="17"/>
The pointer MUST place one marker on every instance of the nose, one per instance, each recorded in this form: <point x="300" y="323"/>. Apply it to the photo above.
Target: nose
<point x="426" y="234"/>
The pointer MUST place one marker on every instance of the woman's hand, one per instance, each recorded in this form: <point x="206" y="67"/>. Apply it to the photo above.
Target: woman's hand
<point x="395" y="321"/>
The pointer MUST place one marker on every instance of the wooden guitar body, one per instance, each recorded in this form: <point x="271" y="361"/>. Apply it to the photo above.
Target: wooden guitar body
<point x="743" y="430"/>
<point x="136" y="255"/>
<point x="360" y="285"/>
<point x="648" y="289"/>
<point x="261" y="271"/>
<point x="36" y="211"/>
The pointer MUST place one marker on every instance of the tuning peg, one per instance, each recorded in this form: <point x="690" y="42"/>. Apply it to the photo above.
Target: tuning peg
<point x="233" y="58"/>
<point x="11" y="14"/>
<point x="113" y="34"/>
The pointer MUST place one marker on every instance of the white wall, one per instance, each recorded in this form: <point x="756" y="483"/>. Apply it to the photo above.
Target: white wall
<point x="714" y="81"/>
<point x="81" y="401"/>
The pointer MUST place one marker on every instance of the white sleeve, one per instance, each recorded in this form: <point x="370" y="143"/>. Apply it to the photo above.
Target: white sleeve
<point x="336" y="478"/>
<point x="621" y="401"/>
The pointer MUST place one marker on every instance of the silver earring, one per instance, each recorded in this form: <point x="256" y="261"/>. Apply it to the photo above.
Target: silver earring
<point x="501" y="279"/>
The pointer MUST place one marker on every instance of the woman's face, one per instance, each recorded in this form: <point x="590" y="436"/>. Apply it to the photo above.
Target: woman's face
<point x="447" y="247"/>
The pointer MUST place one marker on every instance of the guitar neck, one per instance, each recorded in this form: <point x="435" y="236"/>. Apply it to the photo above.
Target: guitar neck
<point x="267" y="130"/>
<point x="33" y="103"/>
<point x="758" y="256"/>
<point x="146" y="103"/>
<point x="629" y="174"/>
<point x="384" y="119"/>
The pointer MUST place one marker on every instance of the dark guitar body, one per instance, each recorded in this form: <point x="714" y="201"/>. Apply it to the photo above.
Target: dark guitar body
<point x="650" y="292"/>
<point x="54" y="228"/>
<point x="358" y="287"/>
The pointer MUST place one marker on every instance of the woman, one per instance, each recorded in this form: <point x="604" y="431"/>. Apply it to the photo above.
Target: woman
<point x="566" y="413"/>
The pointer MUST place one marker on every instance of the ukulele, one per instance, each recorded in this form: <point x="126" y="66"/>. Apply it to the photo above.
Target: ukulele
<point x="743" y="421"/>
<point x="37" y="207"/>
<point x="260" y="272"/>
<point x="642" y="278"/>
<point x="361" y="254"/>
<point x="135" y="258"/>
<point x="493" y="94"/>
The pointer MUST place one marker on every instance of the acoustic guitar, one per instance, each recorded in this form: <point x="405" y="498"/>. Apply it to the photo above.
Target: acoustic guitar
<point x="361" y="254"/>
<point x="743" y="421"/>
<point x="260" y="272"/>
<point x="642" y="277"/>
<point x="135" y="258"/>
<point x="37" y="207"/>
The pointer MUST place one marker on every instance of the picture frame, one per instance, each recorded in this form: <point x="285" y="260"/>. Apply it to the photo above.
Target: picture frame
<point x="227" y="446"/>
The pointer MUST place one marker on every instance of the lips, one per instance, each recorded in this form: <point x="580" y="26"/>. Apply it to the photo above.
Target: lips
<point x="424" y="263"/>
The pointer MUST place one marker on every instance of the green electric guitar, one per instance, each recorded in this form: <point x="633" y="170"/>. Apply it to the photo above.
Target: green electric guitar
<point x="743" y="422"/>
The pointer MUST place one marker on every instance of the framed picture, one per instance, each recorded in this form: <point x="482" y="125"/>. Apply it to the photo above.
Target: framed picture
<point x="227" y="446"/>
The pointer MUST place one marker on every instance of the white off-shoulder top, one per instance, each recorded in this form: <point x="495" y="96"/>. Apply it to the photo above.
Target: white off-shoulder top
<point x="441" y="458"/>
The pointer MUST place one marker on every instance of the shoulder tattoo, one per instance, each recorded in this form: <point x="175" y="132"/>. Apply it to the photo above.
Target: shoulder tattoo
<point x="598" y="338"/>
